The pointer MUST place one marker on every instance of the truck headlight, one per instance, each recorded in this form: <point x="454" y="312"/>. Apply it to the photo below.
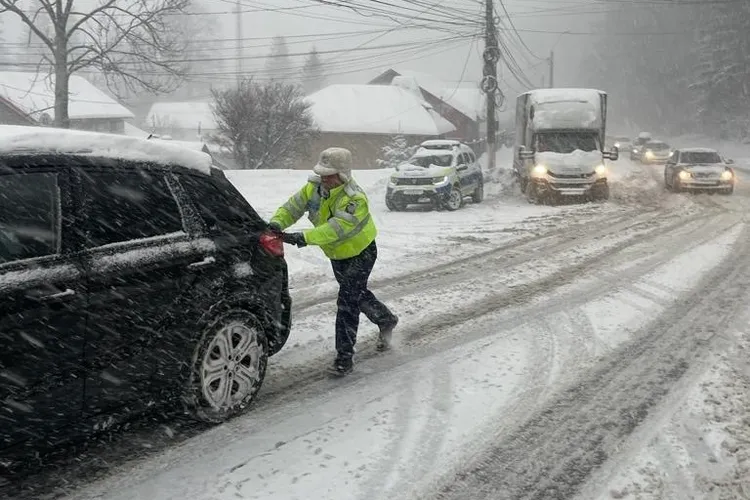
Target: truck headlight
<point x="726" y="175"/>
<point x="600" y="170"/>
<point x="439" y="180"/>
<point x="685" y="175"/>
<point x="539" y="170"/>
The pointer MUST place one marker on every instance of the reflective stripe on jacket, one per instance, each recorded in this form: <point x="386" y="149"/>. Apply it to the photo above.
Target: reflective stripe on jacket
<point x="342" y="220"/>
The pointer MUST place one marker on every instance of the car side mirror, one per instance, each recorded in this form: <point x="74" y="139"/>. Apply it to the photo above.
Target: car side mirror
<point x="730" y="161"/>
<point x="611" y="155"/>
<point x="525" y="154"/>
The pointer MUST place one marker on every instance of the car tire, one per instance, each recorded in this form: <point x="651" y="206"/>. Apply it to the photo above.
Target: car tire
<point x="227" y="368"/>
<point x="478" y="194"/>
<point x="522" y="183"/>
<point x="393" y="206"/>
<point x="531" y="193"/>
<point x="676" y="185"/>
<point x="454" y="200"/>
<point x="602" y="193"/>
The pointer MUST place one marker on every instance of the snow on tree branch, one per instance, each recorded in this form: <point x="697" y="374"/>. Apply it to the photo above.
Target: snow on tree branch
<point x="135" y="43"/>
<point x="267" y="125"/>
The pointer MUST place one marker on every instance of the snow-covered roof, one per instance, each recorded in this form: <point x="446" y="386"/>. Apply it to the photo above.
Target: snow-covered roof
<point x="18" y="139"/>
<point x="592" y="96"/>
<point x="185" y="115"/>
<point x="34" y="94"/>
<point x="375" y="109"/>
<point x="469" y="100"/>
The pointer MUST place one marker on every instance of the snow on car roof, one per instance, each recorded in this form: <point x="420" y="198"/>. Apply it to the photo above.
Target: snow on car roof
<point x="698" y="150"/>
<point x="432" y="152"/>
<point x="440" y="142"/>
<point x="39" y="140"/>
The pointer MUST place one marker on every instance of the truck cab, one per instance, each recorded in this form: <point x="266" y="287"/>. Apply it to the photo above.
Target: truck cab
<point x="559" y="150"/>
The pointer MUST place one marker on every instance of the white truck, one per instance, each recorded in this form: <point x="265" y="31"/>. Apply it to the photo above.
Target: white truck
<point x="559" y="150"/>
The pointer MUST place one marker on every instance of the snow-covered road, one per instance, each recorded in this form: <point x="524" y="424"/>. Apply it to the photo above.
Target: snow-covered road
<point x="540" y="348"/>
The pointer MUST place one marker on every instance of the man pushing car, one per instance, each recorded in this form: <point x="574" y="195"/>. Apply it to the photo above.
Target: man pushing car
<point x="345" y="231"/>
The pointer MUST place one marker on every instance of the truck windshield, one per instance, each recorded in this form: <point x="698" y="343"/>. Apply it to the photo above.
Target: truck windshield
<point x="566" y="142"/>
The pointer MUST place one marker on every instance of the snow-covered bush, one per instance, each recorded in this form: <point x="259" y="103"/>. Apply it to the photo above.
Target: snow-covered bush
<point x="396" y="152"/>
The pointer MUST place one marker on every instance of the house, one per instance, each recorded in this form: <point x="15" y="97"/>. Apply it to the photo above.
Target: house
<point x="186" y="120"/>
<point x="365" y="118"/>
<point x="463" y="106"/>
<point x="28" y="98"/>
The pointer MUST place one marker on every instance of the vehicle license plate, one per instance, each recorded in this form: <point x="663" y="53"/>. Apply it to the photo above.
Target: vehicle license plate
<point x="413" y="192"/>
<point x="426" y="199"/>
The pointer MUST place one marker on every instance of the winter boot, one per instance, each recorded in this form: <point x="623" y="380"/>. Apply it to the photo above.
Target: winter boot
<point x="341" y="367"/>
<point x="386" y="334"/>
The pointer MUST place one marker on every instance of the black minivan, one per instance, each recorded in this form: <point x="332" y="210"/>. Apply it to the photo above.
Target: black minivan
<point x="131" y="274"/>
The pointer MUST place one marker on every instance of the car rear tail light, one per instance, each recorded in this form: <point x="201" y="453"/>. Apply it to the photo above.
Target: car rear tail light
<point x="272" y="243"/>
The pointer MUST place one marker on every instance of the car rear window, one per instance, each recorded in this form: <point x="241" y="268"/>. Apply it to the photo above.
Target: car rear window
<point x="29" y="216"/>
<point x="125" y="205"/>
<point x="221" y="206"/>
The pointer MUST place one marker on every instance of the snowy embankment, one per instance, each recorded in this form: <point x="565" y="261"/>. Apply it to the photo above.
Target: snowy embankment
<point x="485" y="342"/>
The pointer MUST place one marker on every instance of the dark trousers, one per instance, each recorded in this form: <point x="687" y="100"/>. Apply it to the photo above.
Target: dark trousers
<point x="354" y="297"/>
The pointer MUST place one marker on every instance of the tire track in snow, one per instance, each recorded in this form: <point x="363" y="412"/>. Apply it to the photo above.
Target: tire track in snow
<point x="431" y="439"/>
<point x="522" y="294"/>
<point x="417" y="277"/>
<point x="402" y="417"/>
<point x="435" y="333"/>
<point x="553" y="452"/>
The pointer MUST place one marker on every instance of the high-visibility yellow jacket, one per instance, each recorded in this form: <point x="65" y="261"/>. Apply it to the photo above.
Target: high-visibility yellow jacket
<point x="342" y="220"/>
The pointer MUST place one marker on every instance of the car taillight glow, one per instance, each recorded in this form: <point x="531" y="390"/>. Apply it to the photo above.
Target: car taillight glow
<point x="272" y="243"/>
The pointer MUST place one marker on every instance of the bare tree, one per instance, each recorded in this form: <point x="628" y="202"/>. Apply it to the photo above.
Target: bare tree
<point x="129" y="42"/>
<point x="267" y="125"/>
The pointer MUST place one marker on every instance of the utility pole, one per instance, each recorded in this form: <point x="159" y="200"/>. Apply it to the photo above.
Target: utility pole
<point x="489" y="81"/>
<point x="551" y="68"/>
<point x="238" y="15"/>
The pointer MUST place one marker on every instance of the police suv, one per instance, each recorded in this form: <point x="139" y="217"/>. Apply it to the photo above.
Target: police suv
<point x="441" y="173"/>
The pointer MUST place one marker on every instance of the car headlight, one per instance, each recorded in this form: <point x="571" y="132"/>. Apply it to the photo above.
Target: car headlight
<point x="685" y="175"/>
<point x="726" y="175"/>
<point x="649" y="154"/>
<point x="394" y="180"/>
<point x="439" y="180"/>
<point x="671" y="154"/>
<point x="600" y="170"/>
<point x="635" y="150"/>
<point x="617" y="145"/>
<point x="539" y="170"/>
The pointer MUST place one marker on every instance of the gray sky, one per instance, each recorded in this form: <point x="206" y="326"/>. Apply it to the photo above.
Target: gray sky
<point x="541" y="24"/>
<point x="454" y="56"/>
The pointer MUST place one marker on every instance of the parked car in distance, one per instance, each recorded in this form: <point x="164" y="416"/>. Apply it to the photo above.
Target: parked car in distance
<point x="441" y="173"/>
<point x="132" y="273"/>
<point x="699" y="169"/>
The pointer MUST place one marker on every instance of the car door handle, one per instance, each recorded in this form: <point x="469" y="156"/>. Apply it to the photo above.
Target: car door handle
<point x="207" y="262"/>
